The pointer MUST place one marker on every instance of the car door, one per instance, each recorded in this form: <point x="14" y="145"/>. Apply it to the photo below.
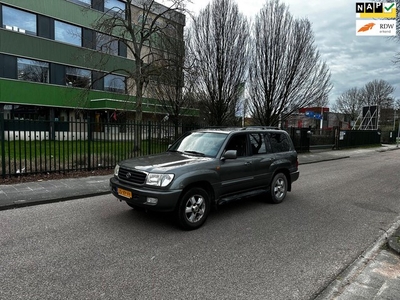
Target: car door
<point x="237" y="174"/>
<point x="262" y="159"/>
<point x="283" y="149"/>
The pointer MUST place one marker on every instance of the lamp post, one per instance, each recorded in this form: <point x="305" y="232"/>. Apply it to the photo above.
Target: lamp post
<point x="398" y="136"/>
<point x="396" y="107"/>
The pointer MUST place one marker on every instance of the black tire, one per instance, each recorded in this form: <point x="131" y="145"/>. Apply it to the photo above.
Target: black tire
<point x="193" y="209"/>
<point x="278" y="188"/>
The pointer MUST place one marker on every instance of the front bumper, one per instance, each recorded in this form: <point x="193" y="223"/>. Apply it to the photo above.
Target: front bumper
<point x="166" y="199"/>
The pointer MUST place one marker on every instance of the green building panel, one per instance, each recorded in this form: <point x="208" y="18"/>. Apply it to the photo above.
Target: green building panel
<point x="29" y="93"/>
<point x="14" y="43"/>
<point x="32" y="93"/>
<point x="59" y="9"/>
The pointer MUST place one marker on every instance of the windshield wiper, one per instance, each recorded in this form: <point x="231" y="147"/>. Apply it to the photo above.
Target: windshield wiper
<point x="195" y="153"/>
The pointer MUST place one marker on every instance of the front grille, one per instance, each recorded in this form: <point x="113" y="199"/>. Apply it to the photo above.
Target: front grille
<point x="132" y="176"/>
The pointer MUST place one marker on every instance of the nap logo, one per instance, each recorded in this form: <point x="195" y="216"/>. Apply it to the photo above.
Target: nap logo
<point x="379" y="10"/>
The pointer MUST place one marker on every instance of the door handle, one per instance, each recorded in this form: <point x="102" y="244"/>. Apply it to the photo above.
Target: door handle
<point x="248" y="163"/>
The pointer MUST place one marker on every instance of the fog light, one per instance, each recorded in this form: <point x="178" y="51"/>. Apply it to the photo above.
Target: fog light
<point x="152" y="201"/>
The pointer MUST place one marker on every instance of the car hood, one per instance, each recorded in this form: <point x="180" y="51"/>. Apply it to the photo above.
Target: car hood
<point x="163" y="162"/>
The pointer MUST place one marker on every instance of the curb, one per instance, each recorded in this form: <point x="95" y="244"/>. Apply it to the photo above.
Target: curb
<point x="343" y="278"/>
<point x="20" y="204"/>
<point x="394" y="241"/>
<point x="321" y="160"/>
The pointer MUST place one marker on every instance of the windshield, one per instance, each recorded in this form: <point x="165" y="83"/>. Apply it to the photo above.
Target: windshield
<point x="200" y="143"/>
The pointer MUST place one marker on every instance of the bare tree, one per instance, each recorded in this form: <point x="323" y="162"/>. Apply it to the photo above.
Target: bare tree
<point x="144" y="27"/>
<point x="350" y="102"/>
<point x="218" y="41"/>
<point x="378" y="92"/>
<point x="286" y="72"/>
<point x="172" y="88"/>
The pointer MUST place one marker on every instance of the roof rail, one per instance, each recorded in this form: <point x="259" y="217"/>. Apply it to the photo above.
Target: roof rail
<point x="259" y="127"/>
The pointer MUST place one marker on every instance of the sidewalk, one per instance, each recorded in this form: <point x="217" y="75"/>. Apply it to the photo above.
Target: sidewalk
<point x="375" y="275"/>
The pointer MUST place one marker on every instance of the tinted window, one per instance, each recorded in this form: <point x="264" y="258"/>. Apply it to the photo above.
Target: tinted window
<point x="78" y="77"/>
<point x="106" y="44"/>
<point x="114" y="83"/>
<point x="238" y="143"/>
<point x="257" y="143"/>
<point x="32" y="70"/>
<point x="67" y="33"/>
<point x="114" y="6"/>
<point x="8" y="66"/>
<point x="18" y="20"/>
<point x="279" y="142"/>
<point x="82" y="2"/>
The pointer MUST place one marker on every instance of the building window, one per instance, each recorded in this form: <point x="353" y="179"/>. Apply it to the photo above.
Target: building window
<point x="114" y="83"/>
<point x="78" y="77"/>
<point x="82" y="2"/>
<point x="33" y="70"/>
<point x="18" y="20"/>
<point x="68" y="33"/>
<point x="106" y="44"/>
<point x="114" y="7"/>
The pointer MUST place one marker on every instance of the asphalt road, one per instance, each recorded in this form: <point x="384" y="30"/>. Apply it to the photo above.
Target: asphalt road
<point x="99" y="248"/>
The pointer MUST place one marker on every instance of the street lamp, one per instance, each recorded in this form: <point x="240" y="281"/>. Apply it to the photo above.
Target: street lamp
<point x="396" y="107"/>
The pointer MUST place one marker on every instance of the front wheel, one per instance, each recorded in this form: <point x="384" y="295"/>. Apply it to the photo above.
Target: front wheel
<point x="193" y="208"/>
<point x="278" y="188"/>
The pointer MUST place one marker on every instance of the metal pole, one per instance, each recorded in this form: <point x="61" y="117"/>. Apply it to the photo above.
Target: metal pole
<point x="398" y="136"/>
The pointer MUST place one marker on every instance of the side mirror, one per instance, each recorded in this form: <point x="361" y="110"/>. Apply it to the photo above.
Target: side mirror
<point x="229" y="154"/>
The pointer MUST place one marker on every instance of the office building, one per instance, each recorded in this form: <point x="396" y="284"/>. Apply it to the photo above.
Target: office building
<point x="55" y="64"/>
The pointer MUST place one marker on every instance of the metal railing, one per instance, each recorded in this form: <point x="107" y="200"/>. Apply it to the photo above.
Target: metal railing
<point x="37" y="147"/>
<point x="32" y="147"/>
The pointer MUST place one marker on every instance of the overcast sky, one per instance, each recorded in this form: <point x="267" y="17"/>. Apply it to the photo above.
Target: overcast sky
<point x="353" y="60"/>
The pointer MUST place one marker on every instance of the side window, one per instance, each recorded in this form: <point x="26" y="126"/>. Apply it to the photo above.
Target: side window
<point x="114" y="83"/>
<point x="106" y="44"/>
<point x="257" y="143"/>
<point x="238" y="143"/>
<point x="114" y="7"/>
<point x="78" y="77"/>
<point x="279" y="142"/>
<point x="67" y="33"/>
<point x="19" y="20"/>
<point x="32" y="70"/>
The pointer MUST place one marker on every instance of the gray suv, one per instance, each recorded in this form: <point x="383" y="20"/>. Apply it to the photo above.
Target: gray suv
<point x="209" y="167"/>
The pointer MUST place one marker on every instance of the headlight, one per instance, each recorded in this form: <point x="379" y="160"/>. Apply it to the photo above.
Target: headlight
<point x="159" y="179"/>
<point x="116" y="170"/>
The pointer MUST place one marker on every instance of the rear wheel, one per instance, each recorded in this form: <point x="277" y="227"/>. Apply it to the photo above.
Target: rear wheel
<point x="193" y="208"/>
<point x="278" y="188"/>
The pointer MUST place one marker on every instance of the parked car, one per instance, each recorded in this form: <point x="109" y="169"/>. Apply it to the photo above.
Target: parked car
<point x="209" y="167"/>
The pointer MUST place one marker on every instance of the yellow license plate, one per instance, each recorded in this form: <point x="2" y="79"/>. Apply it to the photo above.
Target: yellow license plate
<point x="124" y="193"/>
